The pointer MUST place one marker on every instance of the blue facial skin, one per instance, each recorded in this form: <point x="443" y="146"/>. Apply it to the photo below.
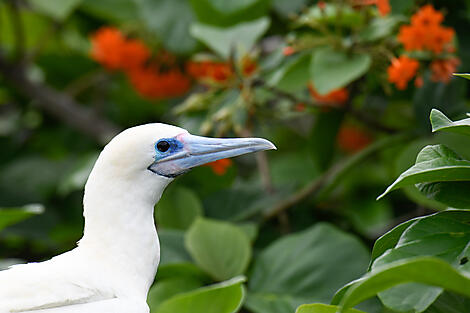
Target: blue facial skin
<point x="175" y="146"/>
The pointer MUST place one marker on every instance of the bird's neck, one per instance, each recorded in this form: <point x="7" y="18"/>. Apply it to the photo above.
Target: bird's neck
<point x="119" y="228"/>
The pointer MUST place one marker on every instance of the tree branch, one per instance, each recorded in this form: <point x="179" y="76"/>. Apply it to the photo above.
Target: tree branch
<point x="58" y="104"/>
<point x="322" y="185"/>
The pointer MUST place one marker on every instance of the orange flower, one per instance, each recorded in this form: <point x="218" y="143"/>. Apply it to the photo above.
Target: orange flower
<point x="288" y="50"/>
<point x="401" y="71"/>
<point x="427" y="16"/>
<point x="249" y="66"/>
<point x="111" y="49"/>
<point x="352" y="139"/>
<point x="426" y="32"/>
<point x="419" y="81"/>
<point x="382" y="5"/>
<point x="152" y="83"/>
<point x="211" y="71"/>
<point x="441" y="70"/>
<point x="106" y="45"/>
<point x="220" y="167"/>
<point x="335" y="98"/>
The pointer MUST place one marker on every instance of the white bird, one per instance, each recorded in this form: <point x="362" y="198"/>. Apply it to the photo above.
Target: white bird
<point x="115" y="262"/>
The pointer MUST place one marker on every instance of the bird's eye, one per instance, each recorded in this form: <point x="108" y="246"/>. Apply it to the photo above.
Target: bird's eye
<point x="163" y="146"/>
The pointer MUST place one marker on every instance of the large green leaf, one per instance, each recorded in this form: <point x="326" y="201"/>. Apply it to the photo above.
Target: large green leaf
<point x="10" y="216"/>
<point x="463" y="75"/>
<point x="332" y="69"/>
<point x="389" y="240"/>
<point x="434" y="163"/>
<point x="322" y="308"/>
<point x="222" y="249"/>
<point x="168" y="288"/>
<point x="445" y="235"/>
<point x="169" y="20"/>
<point x="305" y="267"/>
<point x="426" y="270"/>
<point x="453" y="194"/>
<point x="57" y="9"/>
<point x="293" y="75"/>
<point x="227" y="13"/>
<point x="172" y="247"/>
<point x="111" y="10"/>
<point x="225" y="297"/>
<point x="240" y="37"/>
<point x="178" y="208"/>
<point x="440" y="122"/>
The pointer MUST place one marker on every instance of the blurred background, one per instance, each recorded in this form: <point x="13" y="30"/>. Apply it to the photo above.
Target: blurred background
<point x="343" y="88"/>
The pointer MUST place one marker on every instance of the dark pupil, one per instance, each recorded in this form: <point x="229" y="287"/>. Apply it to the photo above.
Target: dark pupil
<point x="163" y="146"/>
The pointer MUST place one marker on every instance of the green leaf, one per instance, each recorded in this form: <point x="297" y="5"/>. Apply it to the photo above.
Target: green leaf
<point x="225" y="297"/>
<point x="331" y="69"/>
<point x="222" y="249"/>
<point x="284" y="274"/>
<point x="322" y="308"/>
<point x="178" y="208"/>
<point x="445" y="235"/>
<point x="227" y="13"/>
<point x="287" y="8"/>
<point x="426" y="270"/>
<point x="293" y="75"/>
<point x="389" y="239"/>
<point x="240" y="37"/>
<point x="76" y="178"/>
<point x="10" y="216"/>
<point x="333" y="14"/>
<point x="111" y="10"/>
<point x="57" y="9"/>
<point x="169" y="20"/>
<point x="453" y="194"/>
<point x="433" y="164"/>
<point x="172" y="247"/>
<point x="379" y="28"/>
<point x="168" y="288"/>
<point x="440" y="122"/>
<point x="464" y="75"/>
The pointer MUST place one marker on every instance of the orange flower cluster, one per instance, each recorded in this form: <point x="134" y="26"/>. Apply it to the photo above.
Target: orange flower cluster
<point x="426" y="32"/>
<point x="220" y="167"/>
<point x="402" y="70"/>
<point x="116" y="52"/>
<point x="352" y="139"/>
<point x="382" y="5"/>
<point x="219" y="72"/>
<point x="335" y="98"/>
<point x="442" y="70"/>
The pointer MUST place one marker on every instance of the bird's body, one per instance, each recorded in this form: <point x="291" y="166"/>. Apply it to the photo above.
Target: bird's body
<point x="115" y="262"/>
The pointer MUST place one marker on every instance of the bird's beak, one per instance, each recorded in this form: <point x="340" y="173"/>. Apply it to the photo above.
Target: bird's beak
<point x="197" y="150"/>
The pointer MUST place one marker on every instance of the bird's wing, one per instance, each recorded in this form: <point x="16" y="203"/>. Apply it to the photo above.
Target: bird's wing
<point x="44" y="285"/>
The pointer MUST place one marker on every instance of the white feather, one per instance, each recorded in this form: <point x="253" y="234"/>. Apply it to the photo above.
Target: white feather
<point x="116" y="260"/>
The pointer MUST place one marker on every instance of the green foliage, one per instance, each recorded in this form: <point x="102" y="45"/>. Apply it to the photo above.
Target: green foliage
<point x="57" y="9"/>
<point x="282" y="274"/>
<point x="178" y="208"/>
<point x="299" y="223"/>
<point x="331" y="69"/>
<point x="238" y="39"/>
<point x="10" y="216"/>
<point x="225" y="297"/>
<point x="322" y="308"/>
<point x="206" y="241"/>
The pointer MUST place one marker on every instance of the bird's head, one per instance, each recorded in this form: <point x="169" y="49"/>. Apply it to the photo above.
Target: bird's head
<point x="168" y="151"/>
